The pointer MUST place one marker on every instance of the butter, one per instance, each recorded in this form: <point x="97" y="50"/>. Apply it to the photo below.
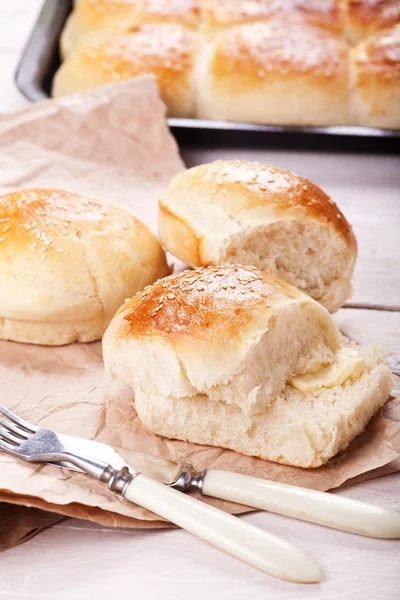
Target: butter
<point x="348" y="364"/>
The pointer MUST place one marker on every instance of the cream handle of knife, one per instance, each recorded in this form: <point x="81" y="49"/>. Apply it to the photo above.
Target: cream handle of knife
<point x="301" y="503"/>
<point x="245" y="541"/>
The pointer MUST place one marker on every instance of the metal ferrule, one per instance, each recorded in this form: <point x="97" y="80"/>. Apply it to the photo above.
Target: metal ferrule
<point x="117" y="481"/>
<point x="189" y="480"/>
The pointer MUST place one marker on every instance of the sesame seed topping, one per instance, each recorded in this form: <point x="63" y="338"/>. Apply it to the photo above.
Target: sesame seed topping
<point x="171" y="296"/>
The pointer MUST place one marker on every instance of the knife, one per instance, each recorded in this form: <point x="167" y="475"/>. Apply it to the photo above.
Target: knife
<point x="323" y="508"/>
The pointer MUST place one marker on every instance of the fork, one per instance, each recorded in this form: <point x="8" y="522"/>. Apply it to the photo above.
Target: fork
<point x="259" y="548"/>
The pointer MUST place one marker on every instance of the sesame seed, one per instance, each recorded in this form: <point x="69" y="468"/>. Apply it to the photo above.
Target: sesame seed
<point x="171" y="296"/>
<point x="339" y="216"/>
<point x="1" y="239"/>
<point x="43" y="256"/>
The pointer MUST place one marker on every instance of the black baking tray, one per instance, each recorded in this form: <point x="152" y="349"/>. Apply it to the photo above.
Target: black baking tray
<point x="41" y="59"/>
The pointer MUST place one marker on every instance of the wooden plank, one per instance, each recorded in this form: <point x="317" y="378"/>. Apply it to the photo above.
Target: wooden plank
<point x="374" y="327"/>
<point x="371" y="327"/>
<point x="75" y="561"/>
<point x="367" y="189"/>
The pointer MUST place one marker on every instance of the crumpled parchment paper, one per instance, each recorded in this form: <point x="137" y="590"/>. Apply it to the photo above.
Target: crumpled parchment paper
<point x="114" y="143"/>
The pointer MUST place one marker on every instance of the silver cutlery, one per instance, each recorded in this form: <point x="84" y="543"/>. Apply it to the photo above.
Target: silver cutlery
<point x="323" y="508"/>
<point x="259" y="548"/>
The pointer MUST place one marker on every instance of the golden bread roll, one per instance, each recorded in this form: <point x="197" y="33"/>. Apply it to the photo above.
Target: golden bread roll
<point x="362" y="18"/>
<point x="165" y="50"/>
<point x="67" y="262"/>
<point x="102" y="17"/>
<point x="241" y="212"/>
<point x="274" y="73"/>
<point x="217" y="15"/>
<point x="229" y="356"/>
<point x="375" y="77"/>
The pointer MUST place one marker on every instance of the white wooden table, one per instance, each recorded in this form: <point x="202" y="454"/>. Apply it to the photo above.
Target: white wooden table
<point x="76" y="560"/>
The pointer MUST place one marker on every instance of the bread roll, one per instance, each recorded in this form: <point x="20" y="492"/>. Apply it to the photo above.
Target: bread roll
<point x="67" y="262"/>
<point x="218" y="15"/>
<point x="375" y="76"/>
<point x="240" y="212"/>
<point x="168" y="51"/>
<point x="274" y="73"/>
<point x="107" y="17"/>
<point x="364" y="17"/>
<point x="229" y="356"/>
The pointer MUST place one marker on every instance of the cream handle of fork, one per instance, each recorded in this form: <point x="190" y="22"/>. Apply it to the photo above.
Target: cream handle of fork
<point x="301" y="503"/>
<point x="258" y="548"/>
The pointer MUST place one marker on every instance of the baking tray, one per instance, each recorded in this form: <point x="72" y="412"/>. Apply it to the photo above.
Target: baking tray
<point x="41" y="58"/>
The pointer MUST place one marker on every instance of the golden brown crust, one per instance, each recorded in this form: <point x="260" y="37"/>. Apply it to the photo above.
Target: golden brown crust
<point x="219" y="14"/>
<point x="371" y="15"/>
<point x="67" y="262"/>
<point x="98" y="13"/>
<point x="176" y="231"/>
<point x="240" y="185"/>
<point x="192" y="302"/>
<point x="264" y="50"/>
<point x="34" y="219"/>
<point x="378" y="57"/>
<point x="163" y="49"/>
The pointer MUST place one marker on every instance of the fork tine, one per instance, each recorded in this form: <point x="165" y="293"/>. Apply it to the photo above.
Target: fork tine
<point x="19" y="433"/>
<point x="21" y="423"/>
<point x="6" y="436"/>
<point x="6" y="446"/>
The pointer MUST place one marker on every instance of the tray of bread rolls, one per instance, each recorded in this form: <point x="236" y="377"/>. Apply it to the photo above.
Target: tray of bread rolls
<point x="324" y="73"/>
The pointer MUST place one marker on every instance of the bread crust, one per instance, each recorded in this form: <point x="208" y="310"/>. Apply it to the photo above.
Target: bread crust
<point x="193" y="303"/>
<point x="249" y="72"/>
<point x="166" y="50"/>
<point x="240" y="188"/>
<point x="67" y="262"/>
<point x="375" y="73"/>
<point x="365" y="17"/>
<point x="218" y="15"/>
<point x="104" y="17"/>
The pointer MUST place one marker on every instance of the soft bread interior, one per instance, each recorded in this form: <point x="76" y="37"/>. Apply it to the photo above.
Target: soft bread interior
<point x="296" y="337"/>
<point x="297" y="428"/>
<point x="306" y="254"/>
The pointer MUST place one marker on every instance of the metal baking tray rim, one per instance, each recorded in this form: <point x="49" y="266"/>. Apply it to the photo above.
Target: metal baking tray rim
<point x="40" y="59"/>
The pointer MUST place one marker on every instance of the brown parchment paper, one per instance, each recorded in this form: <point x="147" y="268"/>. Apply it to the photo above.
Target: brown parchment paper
<point x="113" y="143"/>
